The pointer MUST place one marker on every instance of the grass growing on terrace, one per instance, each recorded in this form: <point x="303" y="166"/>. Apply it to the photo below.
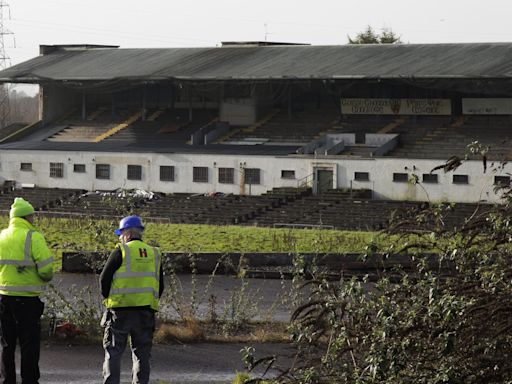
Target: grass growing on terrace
<point x="90" y="234"/>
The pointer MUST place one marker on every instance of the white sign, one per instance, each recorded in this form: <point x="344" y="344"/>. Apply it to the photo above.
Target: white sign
<point x="487" y="106"/>
<point x="396" y="106"/>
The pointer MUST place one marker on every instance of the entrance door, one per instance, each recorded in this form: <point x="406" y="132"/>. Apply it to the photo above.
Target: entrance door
<point x="323" y="180"/>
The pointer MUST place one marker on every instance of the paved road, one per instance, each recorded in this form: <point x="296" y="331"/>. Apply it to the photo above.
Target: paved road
<point x="190" y="364"/>
<point x="262" y="298"/>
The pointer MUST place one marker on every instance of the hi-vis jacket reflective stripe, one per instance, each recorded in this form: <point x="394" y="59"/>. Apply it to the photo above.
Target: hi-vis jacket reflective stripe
<point x="26" y="263"/>
<point x="136" y="283"/>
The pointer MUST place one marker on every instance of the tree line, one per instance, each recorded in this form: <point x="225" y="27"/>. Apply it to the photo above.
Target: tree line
<point x="17" y="107"/>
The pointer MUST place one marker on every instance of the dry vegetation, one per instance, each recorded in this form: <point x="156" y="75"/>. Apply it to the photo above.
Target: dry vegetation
<point x="192" y="330"/>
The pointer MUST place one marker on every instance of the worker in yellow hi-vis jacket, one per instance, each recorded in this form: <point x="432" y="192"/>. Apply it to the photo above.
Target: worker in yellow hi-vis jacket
<point x="131" y="283"/>
<point x="26" y="266"/>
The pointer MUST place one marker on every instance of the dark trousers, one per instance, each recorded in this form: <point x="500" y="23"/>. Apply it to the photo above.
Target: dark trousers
<point x="139" y="324"/>
<point x="20" y="319"/>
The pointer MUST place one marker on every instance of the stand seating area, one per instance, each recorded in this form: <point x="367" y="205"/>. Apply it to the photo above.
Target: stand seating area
<point x="299" y="128"/>
<point x="43" y="199"/>
<point x="128" y="125"/>
<point x="165" y="127"/>
<point x="361" y="124"/>
<point x="207" y="209"/>
<point x="446" y="139"/>
<point x="280" y="207"/>
<point x="103" y="205"/>
<point x="73" y="128"/>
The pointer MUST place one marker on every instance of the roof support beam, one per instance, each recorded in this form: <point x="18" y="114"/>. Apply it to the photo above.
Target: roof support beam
<point x="143" y="112"/>
<point x="113" y="103"/>
<point x="84" y="105"/>
<point x="189" y="94"/>
<point x="290" y="103"/>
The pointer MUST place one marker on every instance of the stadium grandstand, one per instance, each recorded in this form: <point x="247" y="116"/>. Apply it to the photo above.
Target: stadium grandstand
<point x="241" y="123"/>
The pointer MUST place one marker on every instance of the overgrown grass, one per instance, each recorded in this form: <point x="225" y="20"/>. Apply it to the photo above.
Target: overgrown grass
<point x="90" y="234"/>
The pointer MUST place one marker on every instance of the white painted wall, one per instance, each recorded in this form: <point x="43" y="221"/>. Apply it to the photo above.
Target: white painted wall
<point x="238" y="111"/>
<point x="381" y="171"/>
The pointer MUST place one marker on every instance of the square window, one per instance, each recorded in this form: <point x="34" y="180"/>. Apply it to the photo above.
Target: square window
<point x="167" y="173"/>
<point x="460" y="179"/>
<point x="79" y="168"/>
<point x="430" y="178"/>
<point x="226" y="175"/>
<point x="502" y="181"/>
<point x="57" y="170"/>
<point x="400" y="177"/>
<point x="25" y="166"/>
<point x="103" y="171"/>
<point x="134" y="172"/>
<point x="287" y="174"/>
<point x="252" y="175"/>
<point x="200" y="175"/>
<point x="362" y="176"/>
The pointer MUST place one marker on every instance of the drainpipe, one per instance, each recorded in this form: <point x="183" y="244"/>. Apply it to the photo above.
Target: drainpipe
<point x="242" y="179"/>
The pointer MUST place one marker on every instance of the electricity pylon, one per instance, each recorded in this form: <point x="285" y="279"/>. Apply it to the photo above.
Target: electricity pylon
<point x="4" y="63"/>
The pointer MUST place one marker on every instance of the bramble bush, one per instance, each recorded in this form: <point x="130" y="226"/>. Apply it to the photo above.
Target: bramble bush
<point x="442" y="316"/>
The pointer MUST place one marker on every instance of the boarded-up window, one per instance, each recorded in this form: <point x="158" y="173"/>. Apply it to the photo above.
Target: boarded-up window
<point x="226" y="175"/>
<point x="103" y="171"/>
<point x="460" y="179"/>
<point x="400" y="177"/>
<point x="26" y="166"/>
<point x="134" y="172"/>
<point x="57" y="170"/>
<point x="167" y="173"/>
<point x="503" y="181"/>
<point x="361" y="176"/>
<point x="430" y="178"/>
<point x="200" y="175"/>
<point x="287" y="174"/>
<point x="252" y="175"/>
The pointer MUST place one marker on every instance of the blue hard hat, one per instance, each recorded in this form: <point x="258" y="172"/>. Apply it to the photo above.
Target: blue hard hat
<point x="129" y="222"/>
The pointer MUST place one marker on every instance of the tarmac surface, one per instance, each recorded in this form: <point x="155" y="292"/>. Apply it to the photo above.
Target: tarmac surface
<point x="267" y="298"/>
<point x="184" y="364"/>
<point x="195" y="363"/>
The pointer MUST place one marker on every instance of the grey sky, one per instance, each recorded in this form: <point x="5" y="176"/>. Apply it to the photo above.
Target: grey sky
<point x="171" y="23"/>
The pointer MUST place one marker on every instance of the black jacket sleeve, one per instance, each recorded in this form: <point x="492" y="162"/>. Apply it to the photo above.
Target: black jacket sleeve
<point x="114" y="262"/>
<point x="161" y="287"/>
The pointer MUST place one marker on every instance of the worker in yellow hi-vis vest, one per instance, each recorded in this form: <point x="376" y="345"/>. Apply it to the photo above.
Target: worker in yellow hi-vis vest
<point x="131" y="283"/>
<point x="26" y="266"/>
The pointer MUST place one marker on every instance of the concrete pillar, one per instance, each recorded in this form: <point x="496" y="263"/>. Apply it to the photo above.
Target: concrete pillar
<point x="143" y="118"/>
<point x="84" y="109"/>
<point x="189" y="94"/>
<point x="290" y="104"/>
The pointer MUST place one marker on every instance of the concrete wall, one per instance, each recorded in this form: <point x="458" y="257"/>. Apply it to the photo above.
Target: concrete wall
<point x="239" y="111"/>
<point x="380" y="170"/>
<point x="385" y="143"/>
<point x="378" y="139"/>
<point x="220" y="129"/>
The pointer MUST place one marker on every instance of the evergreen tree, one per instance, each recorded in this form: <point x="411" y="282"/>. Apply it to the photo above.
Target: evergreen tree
<point x="369" y="36"/>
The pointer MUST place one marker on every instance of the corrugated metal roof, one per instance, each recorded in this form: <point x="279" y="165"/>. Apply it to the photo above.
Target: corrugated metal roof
<point x="478" y="60"/>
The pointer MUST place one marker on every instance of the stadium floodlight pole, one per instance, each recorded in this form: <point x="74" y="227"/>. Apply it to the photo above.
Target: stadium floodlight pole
<point x="4" y="63"/>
